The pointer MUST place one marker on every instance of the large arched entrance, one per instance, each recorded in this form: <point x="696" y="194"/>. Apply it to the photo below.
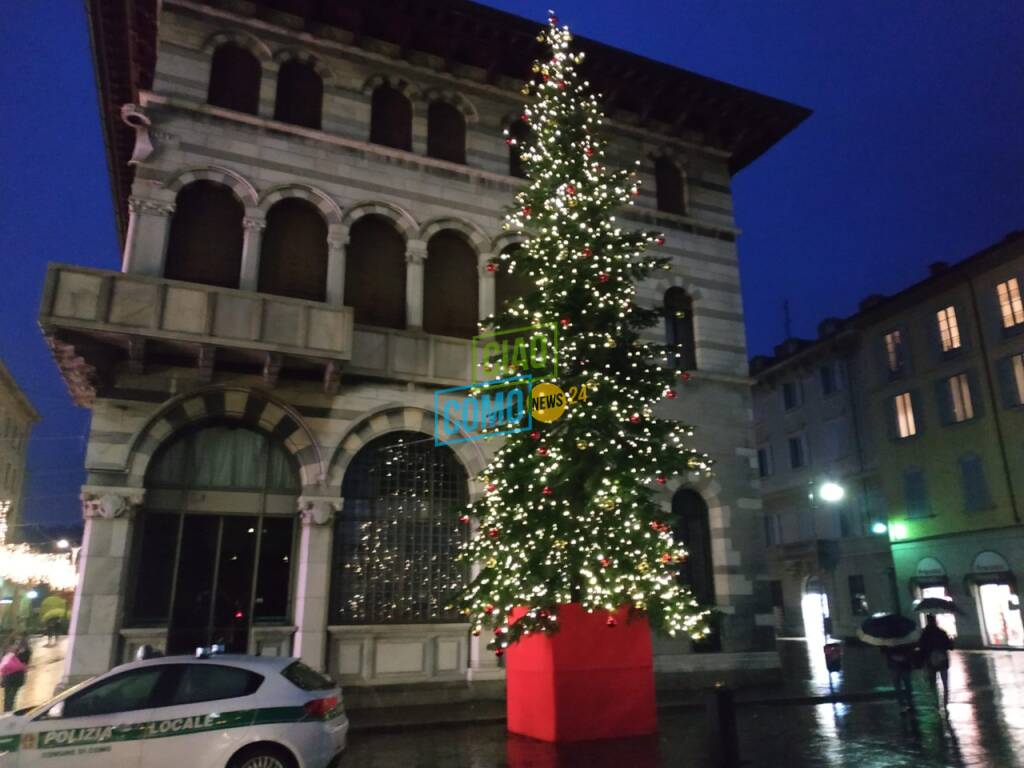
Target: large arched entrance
<point x="213" y="550"/>
<point x="397" y="536"/>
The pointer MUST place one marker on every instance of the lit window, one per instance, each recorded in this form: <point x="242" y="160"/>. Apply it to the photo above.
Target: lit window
<point x="905" y="425"/>
<point x="960" y="406"/>
<point x="1010" y="305"/>
<point x="949" y="331"/>
<point x="894" y="351"/>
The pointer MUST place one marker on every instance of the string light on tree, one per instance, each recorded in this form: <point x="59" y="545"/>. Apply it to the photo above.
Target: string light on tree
<point x="579" y="514"/>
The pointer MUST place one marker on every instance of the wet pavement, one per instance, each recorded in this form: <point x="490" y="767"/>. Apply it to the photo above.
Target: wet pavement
<point x="985" y="725"/>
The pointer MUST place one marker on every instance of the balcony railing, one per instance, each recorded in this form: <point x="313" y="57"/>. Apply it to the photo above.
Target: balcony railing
<point x="80" y="298"/>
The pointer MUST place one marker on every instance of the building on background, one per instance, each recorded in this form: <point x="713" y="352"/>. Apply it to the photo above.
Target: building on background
<point x="16" y="419"/>
<point x="307" y="203"/>
<point x="932" y="399"/>
<point x="828" y="565"/>
<point x="944" y="367"/>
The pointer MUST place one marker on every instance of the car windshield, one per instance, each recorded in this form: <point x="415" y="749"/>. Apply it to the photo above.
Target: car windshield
<point x="45" y="706"/>
<point x="306" y="678"/>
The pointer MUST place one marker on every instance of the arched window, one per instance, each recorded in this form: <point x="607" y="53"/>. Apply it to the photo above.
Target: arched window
<point x="451" y="303"/>
<point x="300" y="94"/>
<point x="205" y="241"/>
<point x="446" y="132"/>
<point x="206" y="575"/>
<point x="510" y="287"/>
<point x="669" y="182"/>
<point x="692" y="529"/>
<point x="375" y="273"/>
<point x="235" y="76"/>
<point x="679" y="329"/>
<point x="396" y="542"/>
<point x="391" y="119"/>
<point x="293" y="260"/>
<point x="519" y="131"/>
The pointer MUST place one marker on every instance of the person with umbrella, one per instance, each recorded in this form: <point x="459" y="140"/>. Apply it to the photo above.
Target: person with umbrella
<point x="897" y="637"/>
<point x="935" y="644"/>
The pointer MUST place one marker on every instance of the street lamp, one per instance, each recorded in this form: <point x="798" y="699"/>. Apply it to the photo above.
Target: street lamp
<point x="879" y="528"/>
<point x="63" y="544"/>
<point x="831" y="492"/>
<point x="31" y="594"/>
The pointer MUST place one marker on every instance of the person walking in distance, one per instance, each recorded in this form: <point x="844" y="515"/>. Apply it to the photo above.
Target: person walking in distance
<point x="934" y="647"/>
<point x="12" y="675"/>
<point x="900" y="659"/>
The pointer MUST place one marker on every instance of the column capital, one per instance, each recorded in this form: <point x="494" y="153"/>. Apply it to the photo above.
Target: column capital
<point x="253" y="223"/>
<point x="318" y="510"/>
<point x="152" y="207"/>
<point x="110" y="503"/>
<point x="415" y="251"/>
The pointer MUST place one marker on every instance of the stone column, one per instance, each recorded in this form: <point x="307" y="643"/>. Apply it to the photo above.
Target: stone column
<point x="252" y="240"/>
<point x="486" y="286"/>
<point x="313" y="580"/>
<point x="145" y="244"/>
<point x="415" y="255"/>
<point x="98" y="608"/>
<point x="483" y="664"/>
<point x="337" y="241"/>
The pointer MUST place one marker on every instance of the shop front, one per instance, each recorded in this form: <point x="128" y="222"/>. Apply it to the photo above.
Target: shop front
<point x="998" y="603"/>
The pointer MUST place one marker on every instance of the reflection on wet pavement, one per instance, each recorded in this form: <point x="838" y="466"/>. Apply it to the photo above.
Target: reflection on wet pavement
<point x="985" y="726"/>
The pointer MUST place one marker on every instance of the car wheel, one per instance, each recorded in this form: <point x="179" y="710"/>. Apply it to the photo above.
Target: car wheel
<point x="263" y="756"/>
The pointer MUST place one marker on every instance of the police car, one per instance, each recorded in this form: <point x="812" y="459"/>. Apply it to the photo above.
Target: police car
<point x="199" y="712"/>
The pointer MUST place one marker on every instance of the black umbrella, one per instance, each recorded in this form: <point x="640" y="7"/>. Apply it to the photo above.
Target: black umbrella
<point x="935" y="605"/>
<point x="889" y="629"/>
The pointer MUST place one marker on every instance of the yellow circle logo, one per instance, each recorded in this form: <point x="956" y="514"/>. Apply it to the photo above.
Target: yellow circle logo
<point x="547" y="402"/>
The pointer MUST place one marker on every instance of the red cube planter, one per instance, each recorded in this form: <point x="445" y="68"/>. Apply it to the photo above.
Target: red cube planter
<point x="586" y="681"/>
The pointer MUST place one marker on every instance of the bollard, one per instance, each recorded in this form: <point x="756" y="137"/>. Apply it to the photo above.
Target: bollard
<point x="720" y="706"/>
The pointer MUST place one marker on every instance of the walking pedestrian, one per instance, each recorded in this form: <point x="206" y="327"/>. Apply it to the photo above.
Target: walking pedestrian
<point x="12" y="675"/>
<point x="900" y="659"/>
<point x="934" y="648"/>
<point x="52" y="625"/>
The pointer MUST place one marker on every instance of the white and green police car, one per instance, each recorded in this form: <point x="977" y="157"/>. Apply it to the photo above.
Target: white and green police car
<point x="209" y="712"/>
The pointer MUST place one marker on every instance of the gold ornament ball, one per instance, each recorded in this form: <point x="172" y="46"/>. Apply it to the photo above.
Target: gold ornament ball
<point x="582" y="445"/>
<point x="571" y="202"/>
<point x="492" y="562"/>
<point x="694" y="463"/>
<point x="642" y="566"/>
<point x="535" y="67"/>
<point x="607" y="503"/>
<point x="609" y="342"/>
<point x="561" y="543"/>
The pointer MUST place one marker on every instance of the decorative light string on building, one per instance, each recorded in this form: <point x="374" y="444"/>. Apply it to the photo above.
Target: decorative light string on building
<point x="19" y="564"/>
<point x="573" y="511"/>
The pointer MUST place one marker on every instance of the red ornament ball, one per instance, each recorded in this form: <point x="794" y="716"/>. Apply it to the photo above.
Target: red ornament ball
<point x="491" y="487"/>
<point x="670" y="394"/>
<point x="684" y="376"/>
<point x="547" y="491"/>
<point x="535" y="435"/>
<point x="587" y="252"/>
<point x="661" y="479"/>
<point x="605" y="562"/>
<point x="611" y="622"/>
<point x="509" y="140"/>
<point x="635" y="418"/>
<point x="493" y="533"/>
<point x="603" y="277"/>
<point x="565" y="322"/>
<point x="543" y="613"/>
<point x="488" y="609"/>
<point x="636" y="191"/>
<point x="543" y="450"/>
<point x="499" y="651"/>
<point x="525" y="118"/>
<point x="526" y="211"/>
<point x="464" y="519"/>
<point x="570" y="189"/>
<point x="590" y="151"/>
<point x="660" y="241"/>
<point x="492" y="267"/>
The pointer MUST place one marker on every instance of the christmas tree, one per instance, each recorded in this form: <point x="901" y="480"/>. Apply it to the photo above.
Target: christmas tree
<point x="570" y="511"/>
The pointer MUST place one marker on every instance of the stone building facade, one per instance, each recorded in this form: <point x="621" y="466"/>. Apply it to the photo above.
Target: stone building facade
<point x="16" y="419"/>
<point x="309" y="203"/>
<point x="828" y="566"/>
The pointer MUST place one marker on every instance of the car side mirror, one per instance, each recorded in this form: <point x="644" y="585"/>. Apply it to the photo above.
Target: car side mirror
<point x="56" y="711"/>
